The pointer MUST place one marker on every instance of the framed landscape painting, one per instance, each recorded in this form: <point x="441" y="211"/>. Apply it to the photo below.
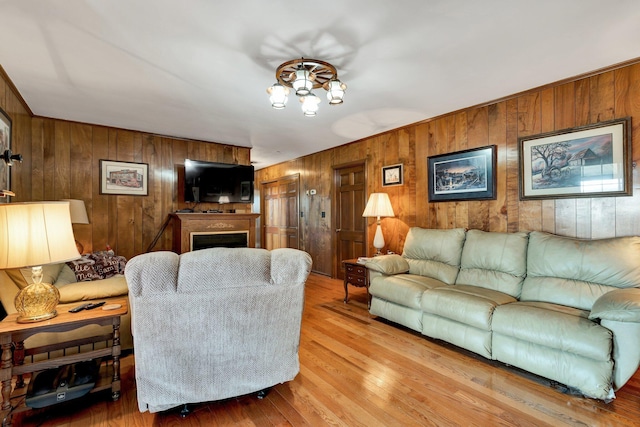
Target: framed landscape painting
<point x="463" y="175"/>
<point x="587" y="161"/>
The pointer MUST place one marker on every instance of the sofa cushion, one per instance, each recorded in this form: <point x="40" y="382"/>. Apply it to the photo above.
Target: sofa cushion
<point x="577" y="272"/>
<point x="469" y="305"/>
<point x="404" y="289"/>
<point x="66" y="276"/>
<point x="554" y="328"/>
<point x="494" y="260"/>
<point x="97" y="289"/>
<point x="22" y="276"/>
<point x="434" y="253"/>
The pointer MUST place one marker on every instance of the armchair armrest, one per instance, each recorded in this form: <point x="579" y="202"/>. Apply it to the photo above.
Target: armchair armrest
<point x="388" y="264"/>
<point x="621" y="305"/>
<point x="157" y="271"/>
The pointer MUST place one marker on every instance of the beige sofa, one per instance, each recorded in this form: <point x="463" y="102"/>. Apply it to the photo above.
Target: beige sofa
<point x="72" y="293"/>
<point x="215" y="323"/>
<point x="562" y="308"/>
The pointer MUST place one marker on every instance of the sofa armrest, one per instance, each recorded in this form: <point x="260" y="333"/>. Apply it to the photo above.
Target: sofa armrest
<point x="621" y="305"/>
<point x="388" y="264"/>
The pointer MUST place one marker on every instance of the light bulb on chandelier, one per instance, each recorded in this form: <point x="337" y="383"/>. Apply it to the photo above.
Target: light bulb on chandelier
<point x="304" y="75"/>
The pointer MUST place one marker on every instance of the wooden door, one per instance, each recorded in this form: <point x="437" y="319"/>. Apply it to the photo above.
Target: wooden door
<point x="349" y="203"/>
<point x="280" y="213"/>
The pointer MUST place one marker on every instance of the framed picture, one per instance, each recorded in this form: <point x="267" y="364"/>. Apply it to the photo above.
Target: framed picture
<point x="392" y="175"/>
<point x="587" y="161"/>
<point x="131" y="179"/>
<point x="5" y="144"/>
<point x="463" y="175"/>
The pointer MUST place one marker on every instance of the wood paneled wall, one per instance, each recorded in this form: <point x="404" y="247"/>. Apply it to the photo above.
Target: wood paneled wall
<point x="610" y="94"/>
<point x="61" y="161"/>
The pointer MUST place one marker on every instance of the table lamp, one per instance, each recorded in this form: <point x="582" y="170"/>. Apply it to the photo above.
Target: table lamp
<point x="33" y="234"/>
<point x="78" y="216"/>
<point x="378" y="205"/>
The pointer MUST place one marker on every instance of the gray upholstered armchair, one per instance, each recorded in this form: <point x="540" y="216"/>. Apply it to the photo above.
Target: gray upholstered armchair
<point x="214" y="323"/>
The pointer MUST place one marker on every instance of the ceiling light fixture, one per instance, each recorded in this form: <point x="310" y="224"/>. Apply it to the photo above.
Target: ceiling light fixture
<point x="303" y="75"/>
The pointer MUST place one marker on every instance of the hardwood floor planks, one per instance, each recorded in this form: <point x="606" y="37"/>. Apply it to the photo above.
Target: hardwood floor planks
<point x="357" y="370"/>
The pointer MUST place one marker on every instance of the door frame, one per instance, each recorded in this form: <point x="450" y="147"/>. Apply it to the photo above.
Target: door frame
<point x="334" y="208"/>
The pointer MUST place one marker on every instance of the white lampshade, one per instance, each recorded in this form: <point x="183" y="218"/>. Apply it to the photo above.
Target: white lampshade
<point x="223" y="199"/>
<point x="310" y="105"/>
<point x="31" y="235"/>
<point x="378" y="205"/>
<point x="278" y="96"/>
<point x="335" y="91"/>
<point x="78" y="211"/>
<point x="35" y="233"/>
<point x="302" y="81"/>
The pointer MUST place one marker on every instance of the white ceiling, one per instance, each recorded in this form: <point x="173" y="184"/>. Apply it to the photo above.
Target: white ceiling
<point x="200" y="68"/>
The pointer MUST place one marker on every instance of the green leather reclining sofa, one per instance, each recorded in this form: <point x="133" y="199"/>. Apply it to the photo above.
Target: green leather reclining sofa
<point x="565" y="309"/>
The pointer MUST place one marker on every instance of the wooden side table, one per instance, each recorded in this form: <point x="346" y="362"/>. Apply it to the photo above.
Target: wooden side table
<point x="12" y="361"/>
<point x="357" y="275"/>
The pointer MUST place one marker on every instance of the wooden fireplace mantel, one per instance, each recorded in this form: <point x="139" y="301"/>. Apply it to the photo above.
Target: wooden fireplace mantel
<point x="186" y="223"/>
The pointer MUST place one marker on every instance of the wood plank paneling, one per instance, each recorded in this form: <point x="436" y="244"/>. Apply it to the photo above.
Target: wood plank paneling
<point x="602" y="96"/>
<point x="62" y="160"/>
<point x="51" y="151"/>
<point x="497" y="132"/>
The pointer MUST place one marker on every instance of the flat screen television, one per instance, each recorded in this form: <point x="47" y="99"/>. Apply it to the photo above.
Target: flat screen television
<point x="217" y="182"/>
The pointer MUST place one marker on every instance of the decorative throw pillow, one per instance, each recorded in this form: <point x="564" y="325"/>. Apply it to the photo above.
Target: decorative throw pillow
<point x="108" y="265"/>
<point x="96" y="266"/>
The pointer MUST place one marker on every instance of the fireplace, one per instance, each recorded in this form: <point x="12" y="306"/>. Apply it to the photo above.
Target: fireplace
<point x="218" y="239"/>
<point x="213" y="229"/>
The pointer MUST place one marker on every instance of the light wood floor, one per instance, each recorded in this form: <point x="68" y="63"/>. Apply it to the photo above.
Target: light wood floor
<point x="360" y="371"/>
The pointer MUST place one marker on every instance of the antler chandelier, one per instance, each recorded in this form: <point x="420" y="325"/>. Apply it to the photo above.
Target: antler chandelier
<point x="304" y="75"/>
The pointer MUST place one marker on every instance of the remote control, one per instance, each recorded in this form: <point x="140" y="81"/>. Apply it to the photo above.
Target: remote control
<point x="79" y="308"/>
<point x="94" y="305"/>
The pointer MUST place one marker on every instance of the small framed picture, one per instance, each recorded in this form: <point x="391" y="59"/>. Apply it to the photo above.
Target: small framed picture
<point x="124" y="178"/>
<point x="392" y="175"/>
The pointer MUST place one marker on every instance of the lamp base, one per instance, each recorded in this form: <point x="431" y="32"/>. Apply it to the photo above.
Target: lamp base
<point x="378" y="240"/>
<point x="38" y="318"/>
<point x="37" y="302"/>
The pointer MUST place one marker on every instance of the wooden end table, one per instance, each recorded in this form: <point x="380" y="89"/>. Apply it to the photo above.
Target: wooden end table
<point x="357" y="275"/>
<point x="12" y="361"/>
